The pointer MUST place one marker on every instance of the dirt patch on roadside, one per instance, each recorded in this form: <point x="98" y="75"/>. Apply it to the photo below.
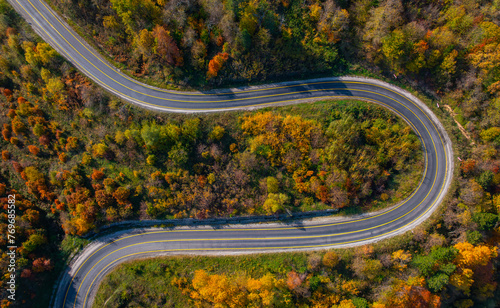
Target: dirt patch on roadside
<point x="460" y="127"/>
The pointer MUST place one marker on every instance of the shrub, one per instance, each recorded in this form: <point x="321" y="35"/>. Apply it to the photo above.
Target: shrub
<point x="72" y="144"/>
<point x="17" y="167"/>
<point x="217" y="133"/>
<point x="100" y="150"/>
<point x="485" y="221"/>
<point x="151" y="160"/>
<point x="97" y="175"/>
<point x="474" y="237"/>
<point x="272" y="185"/>
<point x="33" y="150"/>
<point x="63" y="157"/>
<point x="330" y="259"/>
<point x="5" y="155"/>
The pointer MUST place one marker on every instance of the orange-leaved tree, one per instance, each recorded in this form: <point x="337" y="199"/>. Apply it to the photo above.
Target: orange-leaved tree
<point x="411" y="293"/>
<point x="216" y="64"/>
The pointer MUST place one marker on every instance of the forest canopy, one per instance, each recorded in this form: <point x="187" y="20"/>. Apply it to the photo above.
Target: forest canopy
<point x="77" y="158"/>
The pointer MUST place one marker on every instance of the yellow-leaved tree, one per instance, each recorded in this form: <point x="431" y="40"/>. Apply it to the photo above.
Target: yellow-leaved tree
<point x="471" y="262"/>
<point x="410" y="293"/>
<point x="221" y="291"/>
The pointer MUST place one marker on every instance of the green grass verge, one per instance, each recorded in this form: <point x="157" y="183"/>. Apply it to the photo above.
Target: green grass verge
<point x="148" y="282"/>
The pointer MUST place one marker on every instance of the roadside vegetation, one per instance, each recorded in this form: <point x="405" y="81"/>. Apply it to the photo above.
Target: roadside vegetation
<point x="441" y="44"/>
<point x="418" y="270"/>
<point x="77" y="158"/>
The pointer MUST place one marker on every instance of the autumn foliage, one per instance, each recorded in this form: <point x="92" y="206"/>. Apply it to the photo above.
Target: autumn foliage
<point x="216" y="64"/>
<point x="411" y="293"/>
<point x="5" y="155"/>
<point x="166" y="47"/>
<point x="221" y="291"/>
<point x="33" y="149"/>
<point x="100" y="161"/>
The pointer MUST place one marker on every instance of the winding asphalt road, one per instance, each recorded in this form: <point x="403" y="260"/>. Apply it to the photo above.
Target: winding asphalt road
<point x="82" y="277"/>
